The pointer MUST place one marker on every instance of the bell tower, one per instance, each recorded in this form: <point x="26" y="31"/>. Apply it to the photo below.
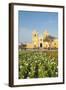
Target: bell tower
<point x="35" y="39"/>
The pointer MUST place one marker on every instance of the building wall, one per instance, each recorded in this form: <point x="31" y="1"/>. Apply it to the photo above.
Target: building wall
<point x="45" y="45"/>
<point x="55" y="43"/>
<point x="29" y="45"/>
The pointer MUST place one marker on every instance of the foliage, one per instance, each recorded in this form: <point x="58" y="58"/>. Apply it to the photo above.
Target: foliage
<point x="38" y="64"/>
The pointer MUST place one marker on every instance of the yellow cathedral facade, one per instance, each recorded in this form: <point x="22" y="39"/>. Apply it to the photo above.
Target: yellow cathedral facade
<point x="43" y="41"/>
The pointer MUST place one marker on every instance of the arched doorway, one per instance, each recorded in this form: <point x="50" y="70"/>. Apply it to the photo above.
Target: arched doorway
<point x="41" y="45"/>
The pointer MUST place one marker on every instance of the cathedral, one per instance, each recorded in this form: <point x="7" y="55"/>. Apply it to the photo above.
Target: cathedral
<point x="45" y="41"/>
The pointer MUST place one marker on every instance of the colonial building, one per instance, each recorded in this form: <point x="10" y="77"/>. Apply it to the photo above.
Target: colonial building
<point x="43" y="41"/>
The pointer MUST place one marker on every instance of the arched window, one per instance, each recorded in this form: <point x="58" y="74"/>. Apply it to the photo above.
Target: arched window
<point x="54" y="43"/>
<point x="34" y="35"/>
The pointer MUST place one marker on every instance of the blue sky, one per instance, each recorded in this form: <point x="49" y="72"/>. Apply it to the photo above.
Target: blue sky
<point x="37" y="21"/>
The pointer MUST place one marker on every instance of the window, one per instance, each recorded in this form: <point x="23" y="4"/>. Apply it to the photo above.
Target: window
<point x="54" y="43"/>
<point x="40" y="39"/>
<point x="34" y="35"/>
